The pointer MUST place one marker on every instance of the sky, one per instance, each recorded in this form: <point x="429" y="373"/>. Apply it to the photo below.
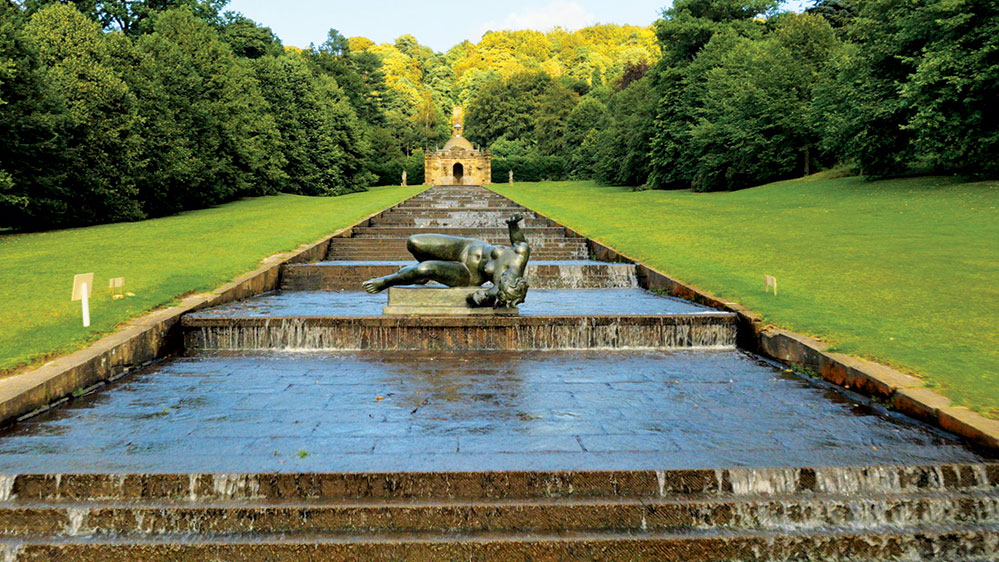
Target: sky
<point x="439" y="24"/>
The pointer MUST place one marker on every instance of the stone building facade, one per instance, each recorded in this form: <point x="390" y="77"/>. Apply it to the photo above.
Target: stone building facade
<point x="458" y="163"/>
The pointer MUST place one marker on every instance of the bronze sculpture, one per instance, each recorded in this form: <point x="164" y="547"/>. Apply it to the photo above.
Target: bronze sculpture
<point x="466" y="262"/>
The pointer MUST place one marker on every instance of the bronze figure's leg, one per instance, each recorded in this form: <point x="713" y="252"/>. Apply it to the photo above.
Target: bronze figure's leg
<point x="450" y="273"/>
<point x="425" y="247"/>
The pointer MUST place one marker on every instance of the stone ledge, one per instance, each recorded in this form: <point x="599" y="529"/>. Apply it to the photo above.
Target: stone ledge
<point x="866" y="377"/>
<point x="902" y="392"/>
<point x="964" y="422"/>
<point x="920" y="403"/>
<point x="142" y="340"/>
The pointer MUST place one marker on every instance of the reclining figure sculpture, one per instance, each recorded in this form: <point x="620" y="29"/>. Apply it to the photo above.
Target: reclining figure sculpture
<point x="466" y="262"/>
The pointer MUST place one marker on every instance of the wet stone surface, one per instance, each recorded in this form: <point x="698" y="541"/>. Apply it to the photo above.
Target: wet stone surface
<point x="320" y="412"/>
<point x="540" y="302"/>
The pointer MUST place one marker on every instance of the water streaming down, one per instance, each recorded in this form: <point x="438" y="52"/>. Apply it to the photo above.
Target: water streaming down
<point x="763" y="481"/>
<point x="583" y="275"/>
<point x="7" y="486"/>
<point x="228" y="486"/>
<point x="76" y="518"/>
<point x="9" y="552"/>
<point x="569" y="333"/>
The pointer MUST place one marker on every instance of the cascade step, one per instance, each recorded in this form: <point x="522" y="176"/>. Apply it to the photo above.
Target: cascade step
<point x="543" y="515"/>
<point x="401" y="255"/>
<point x="495" y="233"/>
<point x="348" y="277"/>
<point x="914" y="543"/>
<point x="453" y="222"/>
<point x="523" y="333"/>
<point x="494" y="209"/>
<point x="505" y="485"/>
<point x="570" y="244"/>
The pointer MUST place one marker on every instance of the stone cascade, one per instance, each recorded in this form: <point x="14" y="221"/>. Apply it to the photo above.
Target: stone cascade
<point x="347" y="275"/>
<point x="471" y="212"/>
<point x="362" y="436"/>
<point x="524" y="333"/>
<point x="941" y="512"/>
<point x="559" y="258"/>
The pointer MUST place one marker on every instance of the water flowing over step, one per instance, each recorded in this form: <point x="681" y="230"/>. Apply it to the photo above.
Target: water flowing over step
<point x="669" y="332"/>
<point x="469" y="212"/>
<point x="395" y="248"/>
<point x="937" y="512"/>
<point x="541" y="274"/>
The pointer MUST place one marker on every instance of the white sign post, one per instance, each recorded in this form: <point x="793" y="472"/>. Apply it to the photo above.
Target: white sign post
<point x="770" y="281"/>
<point x="83" y="285"/>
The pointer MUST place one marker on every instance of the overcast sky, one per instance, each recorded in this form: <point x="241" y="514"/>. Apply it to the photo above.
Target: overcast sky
<point x="441" y="24"/>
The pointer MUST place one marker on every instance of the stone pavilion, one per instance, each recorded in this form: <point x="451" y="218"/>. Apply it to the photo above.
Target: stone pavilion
<point x="458" y="163"/>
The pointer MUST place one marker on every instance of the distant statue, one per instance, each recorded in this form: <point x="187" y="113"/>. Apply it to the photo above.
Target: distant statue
<point x="404" y="178"/>
<point x="511" y="177"/>
<point x="466" y="262"/>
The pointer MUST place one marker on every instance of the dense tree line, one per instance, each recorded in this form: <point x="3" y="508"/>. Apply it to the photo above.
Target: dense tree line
<point x="117" y="111"/>
<point x="743" y="94"/>
<point x="125" y="109"/>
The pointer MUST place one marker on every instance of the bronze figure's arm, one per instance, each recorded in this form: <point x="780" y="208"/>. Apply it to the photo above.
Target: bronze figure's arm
<point x="516" y="235"/>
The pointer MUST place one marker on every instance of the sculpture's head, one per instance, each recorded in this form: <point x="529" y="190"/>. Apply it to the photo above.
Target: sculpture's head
<point x="511" y="290"/>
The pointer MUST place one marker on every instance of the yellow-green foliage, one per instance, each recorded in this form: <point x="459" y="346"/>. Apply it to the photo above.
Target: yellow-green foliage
<point x="559" y="53"/>
<point x="609" y="48"/>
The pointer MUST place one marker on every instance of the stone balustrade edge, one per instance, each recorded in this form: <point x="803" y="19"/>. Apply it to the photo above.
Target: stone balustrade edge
<point x="144" y="339"/>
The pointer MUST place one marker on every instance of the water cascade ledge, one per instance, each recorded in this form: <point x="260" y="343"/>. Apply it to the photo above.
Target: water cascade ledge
<point x="666" y="332"/>
<point x="746" y="483"/>
<point x="569" y="275"/>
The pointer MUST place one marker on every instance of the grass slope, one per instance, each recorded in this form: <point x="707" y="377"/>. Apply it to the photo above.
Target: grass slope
<point x="901" y="271"/>
<point x="160" y="259"/>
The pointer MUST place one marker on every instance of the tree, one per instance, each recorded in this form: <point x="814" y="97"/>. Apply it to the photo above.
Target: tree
<point x="955" y="85"/>
<point x="130" y="16"/>
<point x="247" y="39"/>
<point x="678" y="78"/>
<point x="622" y="151"/>
<point x="513" y="109"/>
<point x="582" y="127"/>
<point x="83" y="174"/>
<point x="321" y="139"/>
<point x="754" y="123"/>
<point x="208" y="135"/>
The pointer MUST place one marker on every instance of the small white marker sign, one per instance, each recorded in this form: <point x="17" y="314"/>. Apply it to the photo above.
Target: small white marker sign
<point x="117" y="287"/>
<point x="770" y="282"/>
<point x="83" y="286"/>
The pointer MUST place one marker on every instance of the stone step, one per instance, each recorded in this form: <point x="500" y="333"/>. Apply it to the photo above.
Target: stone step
<point x="712" y="330"/>
<point x="477" y="221"/>
<point x="375" y="254"/>
<point x="400" y="255"/>
<point x="434" y="210"/>
<point x="400" y="242"/>
<point x="931" y="543"/>
<point x="777" y="513"/>
<point x="452" y="203"/>
<point x="348" y="277"/>
<point x="495" y="233"/>
<point x="733" y="483"/>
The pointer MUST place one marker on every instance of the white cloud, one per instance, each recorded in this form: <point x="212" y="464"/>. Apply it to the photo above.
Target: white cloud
<point x="567" y="15"/>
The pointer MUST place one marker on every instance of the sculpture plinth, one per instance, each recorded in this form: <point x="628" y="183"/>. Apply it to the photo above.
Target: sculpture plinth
<point x="433" y="301"/>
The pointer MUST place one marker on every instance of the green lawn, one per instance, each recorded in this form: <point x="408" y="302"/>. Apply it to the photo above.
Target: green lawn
<point x="901" y="271"/>
<point x="160" y="260"/>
